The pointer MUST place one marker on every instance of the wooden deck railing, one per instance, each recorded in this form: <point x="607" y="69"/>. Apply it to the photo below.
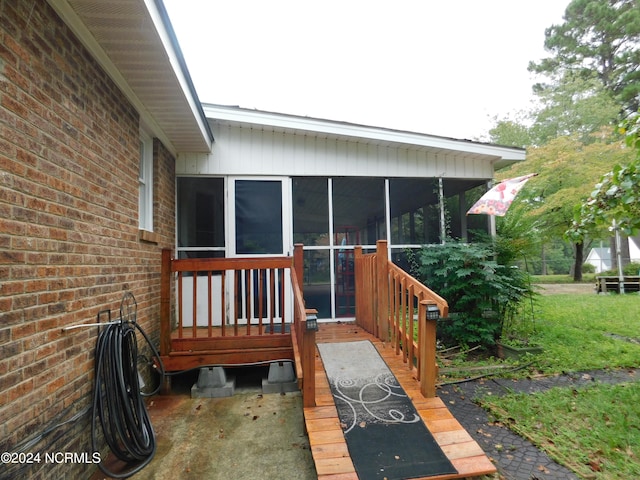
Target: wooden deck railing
<point x="235" y="311"/>
<point x="392" y="305"/>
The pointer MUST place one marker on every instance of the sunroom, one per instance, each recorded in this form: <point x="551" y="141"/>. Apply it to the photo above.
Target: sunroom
<point x="273" y="180"/>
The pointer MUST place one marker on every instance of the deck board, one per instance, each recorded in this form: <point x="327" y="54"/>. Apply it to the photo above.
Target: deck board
<point x="328" y="446"/>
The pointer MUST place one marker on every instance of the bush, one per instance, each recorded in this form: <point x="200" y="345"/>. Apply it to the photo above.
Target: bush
<point x="482" y="292"/>
<point x="588" y="268"/>
<point x="630" y="269"/>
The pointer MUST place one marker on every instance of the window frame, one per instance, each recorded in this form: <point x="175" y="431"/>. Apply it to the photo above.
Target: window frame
<point x="145" y="183"/>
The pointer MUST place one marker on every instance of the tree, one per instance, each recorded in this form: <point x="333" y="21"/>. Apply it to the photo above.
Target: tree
<point x="601" y="38"/>
<point x="616" y="198"/>
<point x="593" y="74"/>
<point x="512" y="133"/>
<point x="566" y="169"/>
<point x="573" y="106"/>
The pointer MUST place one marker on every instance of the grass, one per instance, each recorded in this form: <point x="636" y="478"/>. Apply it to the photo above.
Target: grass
<point x="582" y="332"/>
<point x="595" y="431"/>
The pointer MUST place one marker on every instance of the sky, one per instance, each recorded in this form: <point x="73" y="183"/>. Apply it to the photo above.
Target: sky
<point x="437" y="67"/>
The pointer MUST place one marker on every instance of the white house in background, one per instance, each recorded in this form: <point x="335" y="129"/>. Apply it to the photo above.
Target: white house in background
<point x="601" y="258"/>
<point x="274" y="180"/>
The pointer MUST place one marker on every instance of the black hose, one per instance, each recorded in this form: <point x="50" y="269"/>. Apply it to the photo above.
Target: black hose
<point x="117" y="400"/>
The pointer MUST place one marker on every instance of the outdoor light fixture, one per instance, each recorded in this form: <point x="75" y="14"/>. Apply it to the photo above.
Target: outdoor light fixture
<point x="312" y="323"/>
<point x="433" y="312"/>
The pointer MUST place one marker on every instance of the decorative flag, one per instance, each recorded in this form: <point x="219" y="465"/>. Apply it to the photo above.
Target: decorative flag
<point x="498" y="200"/>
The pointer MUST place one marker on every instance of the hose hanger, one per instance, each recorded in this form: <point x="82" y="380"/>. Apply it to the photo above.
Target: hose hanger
<point x="119" y="410"/>
<point x="128" y="314"/>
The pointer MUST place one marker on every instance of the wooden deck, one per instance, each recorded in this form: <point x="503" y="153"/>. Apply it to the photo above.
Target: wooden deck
<point x="328" y="445"/>
<point x="204" y="346"/>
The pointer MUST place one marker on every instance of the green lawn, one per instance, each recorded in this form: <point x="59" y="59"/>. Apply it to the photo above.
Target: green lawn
<point x="596" y="430"/>
<point x="581" y="332"/>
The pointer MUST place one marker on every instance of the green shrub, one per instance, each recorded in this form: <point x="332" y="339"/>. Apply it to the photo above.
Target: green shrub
<point x="630" y="269"/>
<point x="588" y="268"/>
<point x="482" y="292"/>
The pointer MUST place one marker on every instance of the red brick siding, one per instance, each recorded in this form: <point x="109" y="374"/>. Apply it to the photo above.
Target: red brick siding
<point x="69" y="239"/>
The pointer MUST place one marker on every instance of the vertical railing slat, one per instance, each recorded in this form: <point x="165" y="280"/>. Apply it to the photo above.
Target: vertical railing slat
<point x="261" y="299"/>
<point x="209" y="305"/>
<point x="282" y="309"/>
<point x="237" y="303"/>
<point x="180" y="303"/>
<point x="272" y="296"/>
<point x="248" y="278"/>
<point x="410" y="339"/>
<point x="223" y="303"/>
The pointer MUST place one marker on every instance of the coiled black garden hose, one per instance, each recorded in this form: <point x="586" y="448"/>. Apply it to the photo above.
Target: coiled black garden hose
<point x="118" y="403"/>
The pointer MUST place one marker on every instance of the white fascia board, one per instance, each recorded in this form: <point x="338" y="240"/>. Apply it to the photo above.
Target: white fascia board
<point x="171" y="50"/>
<point x="290" y="122"/>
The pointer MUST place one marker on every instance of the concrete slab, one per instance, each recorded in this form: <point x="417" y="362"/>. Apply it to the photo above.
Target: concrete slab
<point x="248" y="436"/>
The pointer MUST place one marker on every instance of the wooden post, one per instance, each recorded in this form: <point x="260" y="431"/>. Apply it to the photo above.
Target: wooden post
<point x="358" y="279"/>
<point x="427" y="350"/>
<point x="382" y="264"/>
<point x="165" y="303"/>
<point x="298" y="264"/>
<point x="308" y="363"/>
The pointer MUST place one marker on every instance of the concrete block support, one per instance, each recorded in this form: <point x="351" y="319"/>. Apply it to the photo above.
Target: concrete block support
<point x="213" y="383"/>
<point x="281" y="378"/>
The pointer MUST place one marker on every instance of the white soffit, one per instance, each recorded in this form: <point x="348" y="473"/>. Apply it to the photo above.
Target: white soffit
<point x="134" y="42"/>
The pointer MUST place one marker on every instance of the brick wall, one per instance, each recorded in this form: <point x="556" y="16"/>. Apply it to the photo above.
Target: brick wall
<point x="69" y="239"/>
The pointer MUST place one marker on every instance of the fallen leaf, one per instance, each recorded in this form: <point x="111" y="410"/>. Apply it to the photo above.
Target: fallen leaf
<point x="595" y="466"/>
<point x="542" y="468"/>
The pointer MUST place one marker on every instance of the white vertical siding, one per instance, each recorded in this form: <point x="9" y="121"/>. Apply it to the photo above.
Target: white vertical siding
<point x="259" y="151"/>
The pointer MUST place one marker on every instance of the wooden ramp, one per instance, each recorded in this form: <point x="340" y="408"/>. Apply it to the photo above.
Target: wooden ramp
<point x="328" y="445"/>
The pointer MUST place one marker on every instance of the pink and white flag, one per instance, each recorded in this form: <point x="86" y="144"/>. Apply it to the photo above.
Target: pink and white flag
<point x="498" y="200"/>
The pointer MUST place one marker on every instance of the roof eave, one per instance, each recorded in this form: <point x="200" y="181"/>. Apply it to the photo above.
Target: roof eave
<point x="504" y="155"/>
<point x="157" y="114"/>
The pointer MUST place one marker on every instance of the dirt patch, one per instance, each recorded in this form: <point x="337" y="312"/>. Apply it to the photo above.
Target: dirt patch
<point x="566" y="288"/>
